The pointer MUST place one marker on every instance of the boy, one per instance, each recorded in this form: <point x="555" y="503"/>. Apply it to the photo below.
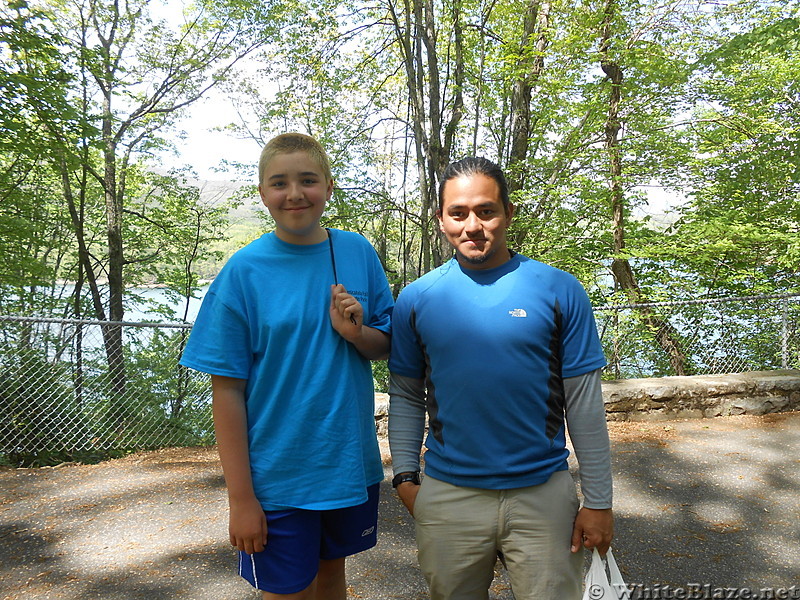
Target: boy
<point x="288" y="349"/>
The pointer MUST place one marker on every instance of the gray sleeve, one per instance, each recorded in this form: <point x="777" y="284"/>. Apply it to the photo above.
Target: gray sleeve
<point x="406" y="422"/>
<point x="586" y="420"/>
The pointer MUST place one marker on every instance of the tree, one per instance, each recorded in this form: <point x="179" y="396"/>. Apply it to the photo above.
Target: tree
<point x="31" y="226"/>
<point x="533" y="46"/>
<point x="739" y="231"/>
<point x="133" y="75"/>
<point x="665" y="334"/>
<point x="383" y="90"/>
<point x="93" y="89"/>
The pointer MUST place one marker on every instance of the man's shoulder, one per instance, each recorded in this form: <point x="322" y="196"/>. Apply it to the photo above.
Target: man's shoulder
<point x="532" y="264"/>
<point x="427" y="281"/>
<point x="544" y="270"/>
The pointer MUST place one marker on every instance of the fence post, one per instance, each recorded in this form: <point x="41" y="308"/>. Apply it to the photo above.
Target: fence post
<point x="785" y="334"/>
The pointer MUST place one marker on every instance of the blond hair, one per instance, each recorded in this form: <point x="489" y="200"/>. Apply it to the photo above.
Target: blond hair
<point x="287" y="143"/>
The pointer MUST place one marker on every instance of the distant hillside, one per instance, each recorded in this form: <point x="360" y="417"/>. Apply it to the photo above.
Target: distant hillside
<point x="246" y="221"/>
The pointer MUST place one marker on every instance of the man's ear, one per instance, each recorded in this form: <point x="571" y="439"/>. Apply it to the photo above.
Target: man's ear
<point x="510" y="212"/>
<point x="439" y="217"/>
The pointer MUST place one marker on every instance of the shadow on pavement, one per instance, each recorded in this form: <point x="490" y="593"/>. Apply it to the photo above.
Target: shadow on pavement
<point x="709" y="502"/>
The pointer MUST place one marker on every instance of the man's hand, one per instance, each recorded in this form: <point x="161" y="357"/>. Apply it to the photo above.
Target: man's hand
<point x="408" y="491"/>
<point x="594" y="528"/>
<point x="247" y="526"/>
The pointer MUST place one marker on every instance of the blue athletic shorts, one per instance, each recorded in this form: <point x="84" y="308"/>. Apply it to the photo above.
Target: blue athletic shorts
<point x="298" y="539"/>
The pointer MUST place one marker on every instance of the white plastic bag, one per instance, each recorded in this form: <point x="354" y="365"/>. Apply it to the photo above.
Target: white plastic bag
<point x="602" y="585"/>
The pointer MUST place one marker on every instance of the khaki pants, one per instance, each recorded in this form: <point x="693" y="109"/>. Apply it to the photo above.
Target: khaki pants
<point x="459" y="531"/>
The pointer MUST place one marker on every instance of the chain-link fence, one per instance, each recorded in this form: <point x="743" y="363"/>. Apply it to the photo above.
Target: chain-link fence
<point x="697" y="337"/>
<point x="96" y="389"/>
<point x="84" y="388"/>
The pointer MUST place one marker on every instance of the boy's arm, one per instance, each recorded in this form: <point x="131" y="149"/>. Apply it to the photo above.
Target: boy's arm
<point x="247" y="523"/>
<point x="347" y="318"/>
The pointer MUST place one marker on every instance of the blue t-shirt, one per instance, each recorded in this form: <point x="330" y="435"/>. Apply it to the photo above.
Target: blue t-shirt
<point x="309" y="395"/>
<point x="493" y="347"/>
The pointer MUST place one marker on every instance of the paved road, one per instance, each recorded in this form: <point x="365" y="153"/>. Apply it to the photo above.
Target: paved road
<point x="714" y="502"/>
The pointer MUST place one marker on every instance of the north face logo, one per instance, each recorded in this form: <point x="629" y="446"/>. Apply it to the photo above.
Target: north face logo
<point x="518" y="312"/>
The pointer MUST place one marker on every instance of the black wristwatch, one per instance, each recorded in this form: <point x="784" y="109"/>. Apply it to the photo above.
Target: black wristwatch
<point x="412" y="476"/>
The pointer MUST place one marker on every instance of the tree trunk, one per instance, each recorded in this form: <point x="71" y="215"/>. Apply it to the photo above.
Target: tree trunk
<point x="665" y="334"/>
<point x="78" y="376"/>
<point x="77" y="216"/>
<point x="537" y="15"/>
<point x="417" y="36"/>
<point x="536" y="21"/>
<point x="112" y="333"/>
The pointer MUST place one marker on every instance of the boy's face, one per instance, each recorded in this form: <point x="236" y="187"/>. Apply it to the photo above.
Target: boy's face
<point x="295" y="190"/>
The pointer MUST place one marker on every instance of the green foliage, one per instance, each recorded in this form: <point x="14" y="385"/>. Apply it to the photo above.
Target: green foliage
<point x="380" y="375"/>
<point x="694" y="78"/>
<point x="739" y="233"/>
<point x="173" y="226"/>
<point x="34" y="87"/>
<point x="708" y="107"/>
<point x="171" y="401"/>
<point x="93" y="90"/>
<point x="59" y="403"/>
<point x="780" y="37"/>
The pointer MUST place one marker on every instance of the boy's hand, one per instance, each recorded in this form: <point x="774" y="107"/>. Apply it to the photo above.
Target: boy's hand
<point x="347" y="318"/>
<point x="248" y="525"/>
<point x="347" y="314"/>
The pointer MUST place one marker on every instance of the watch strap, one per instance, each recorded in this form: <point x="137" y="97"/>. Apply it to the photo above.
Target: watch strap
<point x="412" y="476"/>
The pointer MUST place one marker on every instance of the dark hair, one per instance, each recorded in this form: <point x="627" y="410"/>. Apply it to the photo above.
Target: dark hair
<point x="475" y="165"/>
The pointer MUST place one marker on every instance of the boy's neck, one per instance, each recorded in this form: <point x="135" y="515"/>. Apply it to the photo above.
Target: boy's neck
<point x="316" y="235"/>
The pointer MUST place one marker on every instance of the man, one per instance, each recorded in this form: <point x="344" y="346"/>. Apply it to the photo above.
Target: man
<point x="502" y="352"/>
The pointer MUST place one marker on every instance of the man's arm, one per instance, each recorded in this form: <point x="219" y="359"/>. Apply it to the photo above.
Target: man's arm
<point x="586" y="420"/>
<point x="406" y="430"/>
<point x="247" y="523"/>
<point x="347" y="318"/>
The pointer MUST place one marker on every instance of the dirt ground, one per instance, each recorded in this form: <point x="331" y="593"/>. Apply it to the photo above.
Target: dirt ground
<point x="712" y="502"/>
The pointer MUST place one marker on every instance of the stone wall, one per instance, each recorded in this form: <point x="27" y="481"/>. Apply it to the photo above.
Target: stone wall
<point x="698" y="396"/>
<point x="381" y="413"/>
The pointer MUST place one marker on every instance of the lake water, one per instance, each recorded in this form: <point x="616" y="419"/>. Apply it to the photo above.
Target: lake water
<point x="138" y="311"/>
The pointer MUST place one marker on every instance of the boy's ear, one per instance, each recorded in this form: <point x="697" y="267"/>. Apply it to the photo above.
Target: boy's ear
<point x="261" y="195"/>
<point x="331" y="185"/>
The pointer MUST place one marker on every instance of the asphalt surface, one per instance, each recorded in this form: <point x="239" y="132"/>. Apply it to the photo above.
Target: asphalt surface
<point x="712" y="503"/>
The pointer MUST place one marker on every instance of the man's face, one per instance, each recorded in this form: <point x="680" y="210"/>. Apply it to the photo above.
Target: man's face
<point x="474" y="221"/>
